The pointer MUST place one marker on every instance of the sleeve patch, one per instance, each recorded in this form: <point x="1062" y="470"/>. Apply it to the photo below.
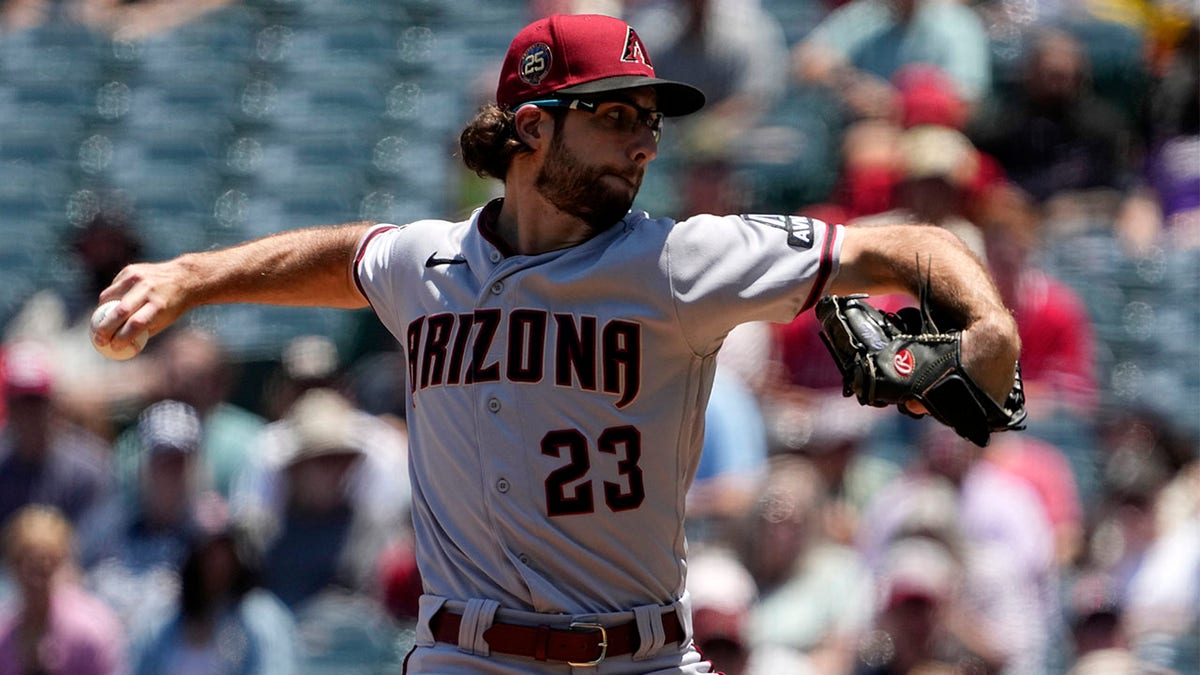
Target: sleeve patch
<point x="800" y="230"/>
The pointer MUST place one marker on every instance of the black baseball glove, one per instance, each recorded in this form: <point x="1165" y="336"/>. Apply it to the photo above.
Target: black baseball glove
<point x="889" y="359"/>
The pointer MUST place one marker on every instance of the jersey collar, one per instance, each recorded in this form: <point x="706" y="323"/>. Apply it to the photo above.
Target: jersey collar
<point x="486" y="222"/>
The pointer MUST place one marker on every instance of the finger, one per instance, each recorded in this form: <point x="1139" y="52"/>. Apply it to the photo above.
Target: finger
<point x="124" y="321"/>
<point x="915" y="407"/>
<point x="111" y="321"/>
<point x="138" y="322"/>
<point x="120" y="285"/>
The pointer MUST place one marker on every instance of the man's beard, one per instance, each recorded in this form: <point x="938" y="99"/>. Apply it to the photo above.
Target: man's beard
<point x="581" y="190"/>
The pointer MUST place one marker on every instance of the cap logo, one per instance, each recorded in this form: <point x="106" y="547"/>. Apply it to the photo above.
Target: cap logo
<point x="635" y="51"/>
<point x="535" y="64"/>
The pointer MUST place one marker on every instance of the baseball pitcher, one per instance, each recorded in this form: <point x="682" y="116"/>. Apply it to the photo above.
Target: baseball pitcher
<point x="561" y="349"/>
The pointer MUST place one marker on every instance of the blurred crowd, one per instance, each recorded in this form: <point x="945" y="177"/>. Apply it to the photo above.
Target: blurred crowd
<point x="185" y="512"/>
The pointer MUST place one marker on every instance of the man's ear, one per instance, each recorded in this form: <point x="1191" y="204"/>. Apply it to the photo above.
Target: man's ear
<point x="530" y="124"/>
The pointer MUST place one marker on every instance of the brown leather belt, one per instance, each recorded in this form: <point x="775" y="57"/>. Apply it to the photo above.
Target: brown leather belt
<point x="582" y="644"/>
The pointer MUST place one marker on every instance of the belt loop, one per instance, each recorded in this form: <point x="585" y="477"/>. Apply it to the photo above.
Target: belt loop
<point x="683" y="612"/>
<point x="476" y="618"/>
<point x="650" y="631"/>
<point x="541" y="645"/>
<point x="428" y="605"/>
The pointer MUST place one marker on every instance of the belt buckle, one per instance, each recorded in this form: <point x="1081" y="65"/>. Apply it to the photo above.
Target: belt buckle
<point x="593" y="627"/>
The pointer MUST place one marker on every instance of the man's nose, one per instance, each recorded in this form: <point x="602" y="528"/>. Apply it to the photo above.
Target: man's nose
<point x="644" y="147"/>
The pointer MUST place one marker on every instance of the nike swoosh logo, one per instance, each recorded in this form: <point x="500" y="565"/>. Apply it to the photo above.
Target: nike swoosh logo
<point x="434" y="261"/>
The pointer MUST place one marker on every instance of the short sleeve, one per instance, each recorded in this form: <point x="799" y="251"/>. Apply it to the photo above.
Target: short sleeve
<point x="729" y="270"/>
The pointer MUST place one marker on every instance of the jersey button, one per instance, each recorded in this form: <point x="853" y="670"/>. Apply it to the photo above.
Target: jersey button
<point x="498" y="288"/>
<point x="495" y="256"/>
<point x="502" y="485"/>
<point x="493" y="405"/>
<point x="523" y="558"/>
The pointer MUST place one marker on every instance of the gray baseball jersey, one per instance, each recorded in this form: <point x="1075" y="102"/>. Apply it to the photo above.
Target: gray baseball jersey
<point x="556" y="401"/>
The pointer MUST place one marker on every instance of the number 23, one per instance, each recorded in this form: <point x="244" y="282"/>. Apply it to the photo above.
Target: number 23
<point x="580" y="499"/>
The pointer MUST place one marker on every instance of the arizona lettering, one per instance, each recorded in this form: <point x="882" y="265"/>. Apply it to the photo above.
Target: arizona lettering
<point x="456" y="349"/>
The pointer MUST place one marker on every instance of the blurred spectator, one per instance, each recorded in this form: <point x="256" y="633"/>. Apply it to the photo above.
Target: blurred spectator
<point x="1141" y="454"/>
<point x="1095" y="615"/>
<point x="938" y="179"/>
<point x="869" y="172"/>
<point x="737" y="54"/>
<point x="1058" y="342"/>
<point x="722" y="593"/>
<point x="327" y="498"/>
<point x="44" y="458"/>
<point x="1055" y="135"/>
<point x="920" y="590"/>
<point x="1048" y="471"/>
<point x="308" y="361"/>
<point x="139" y="20"/>
<point x="834" y="434"/>
<point x="1060" y="349"/>
<point x="133" y="547"/>
<point x="376" y="386"/>
<point x="874" y="160"/>
<point x="1122" y="527"/>
<point x="1172" y="108"/>
<point x="328" y="505"/>
<point x="1173" y="119"/>
<point x="378" y="487"/>
<point x="99" y="391"/>
<point x="859" y="46"/>
<point x="53" y="627"/>
<point x="928" y="101"/>
<point x="928" y="96"/>
<point x="222" y="622"/>
<point x="1163" y="596"/>
<point x="377" y="382"/>
<point x="1004" y="540"/>
<point x="814" y="594"/>
<point x="156" y="528"/>
<point x="191" y="366"/>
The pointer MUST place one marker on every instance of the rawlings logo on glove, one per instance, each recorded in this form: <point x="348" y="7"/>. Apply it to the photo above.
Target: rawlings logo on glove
<point x="891" y="359"/>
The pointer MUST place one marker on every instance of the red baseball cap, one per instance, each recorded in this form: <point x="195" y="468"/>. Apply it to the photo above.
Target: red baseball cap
<point x="585" y="54"/>
<point x="929" y="96"/>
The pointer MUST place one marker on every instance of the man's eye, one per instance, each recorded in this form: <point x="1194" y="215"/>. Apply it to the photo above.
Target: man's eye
<point x="623" y="118"/>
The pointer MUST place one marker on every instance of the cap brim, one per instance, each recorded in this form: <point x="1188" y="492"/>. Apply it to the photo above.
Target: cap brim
<point x="675" y="99"/>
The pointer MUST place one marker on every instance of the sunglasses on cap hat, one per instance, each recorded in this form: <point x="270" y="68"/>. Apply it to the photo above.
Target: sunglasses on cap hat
<point x="622" y="115"/>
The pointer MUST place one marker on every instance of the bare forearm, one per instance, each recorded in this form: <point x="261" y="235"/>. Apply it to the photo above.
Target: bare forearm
<point x="898" y="258"/>
<point x="309" y="267"/>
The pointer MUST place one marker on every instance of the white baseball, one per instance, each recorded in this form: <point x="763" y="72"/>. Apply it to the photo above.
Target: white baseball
<point x="107" y="350"/>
